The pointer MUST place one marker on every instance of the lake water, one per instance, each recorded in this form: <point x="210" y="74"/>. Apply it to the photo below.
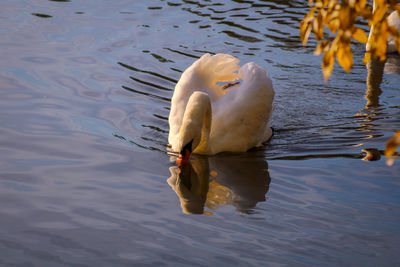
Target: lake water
<point x="85" y="177"/>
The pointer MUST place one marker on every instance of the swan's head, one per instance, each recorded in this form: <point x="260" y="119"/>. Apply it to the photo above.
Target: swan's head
<point x="184" y="154"/>
<point x="195" y="129"/>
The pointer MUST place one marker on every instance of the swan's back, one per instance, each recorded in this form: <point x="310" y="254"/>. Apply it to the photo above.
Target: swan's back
<point x="240" y="120"/>
<point x="202" y="75"/>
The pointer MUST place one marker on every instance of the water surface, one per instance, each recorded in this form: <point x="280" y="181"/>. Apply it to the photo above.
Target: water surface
<point x="85" y="178"/>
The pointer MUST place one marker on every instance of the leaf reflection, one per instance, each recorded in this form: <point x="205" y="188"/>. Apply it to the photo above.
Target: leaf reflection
<point x="237" y="180"/>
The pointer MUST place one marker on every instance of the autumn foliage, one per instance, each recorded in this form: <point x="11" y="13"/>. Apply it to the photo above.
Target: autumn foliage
<point x="391" y="147"/>
<point x="341" y="17"/>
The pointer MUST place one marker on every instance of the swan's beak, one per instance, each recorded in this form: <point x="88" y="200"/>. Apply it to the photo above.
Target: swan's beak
<point x="184" y="155"/>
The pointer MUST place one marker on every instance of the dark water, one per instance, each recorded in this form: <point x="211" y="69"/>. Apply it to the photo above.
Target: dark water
<point x="85" y="178"/>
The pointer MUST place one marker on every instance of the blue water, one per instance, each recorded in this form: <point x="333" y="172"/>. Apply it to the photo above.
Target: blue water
<point x="85" y="175"/>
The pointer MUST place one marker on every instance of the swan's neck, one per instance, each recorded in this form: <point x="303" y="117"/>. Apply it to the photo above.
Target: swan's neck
<point x="196" y="124"/>
<point x="204" y="144"/>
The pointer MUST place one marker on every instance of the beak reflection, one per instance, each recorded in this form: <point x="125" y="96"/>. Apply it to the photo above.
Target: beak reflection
<point x="190" y="183"/>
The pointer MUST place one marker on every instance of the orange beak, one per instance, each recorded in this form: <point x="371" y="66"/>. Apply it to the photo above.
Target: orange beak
<point x="183" y="159"/>
<point x="184" y="155"/>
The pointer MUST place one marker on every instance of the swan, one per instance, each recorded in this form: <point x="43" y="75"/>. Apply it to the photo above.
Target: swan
<point x="207" y="119"/>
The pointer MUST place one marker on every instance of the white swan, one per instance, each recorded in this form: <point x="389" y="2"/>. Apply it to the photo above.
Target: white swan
<point x="206" y="119"/>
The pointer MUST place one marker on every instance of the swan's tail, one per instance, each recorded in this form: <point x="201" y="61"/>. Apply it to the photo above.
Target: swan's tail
<point x="216" y="68"/>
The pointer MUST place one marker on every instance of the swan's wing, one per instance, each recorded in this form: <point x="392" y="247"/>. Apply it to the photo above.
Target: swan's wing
<point x="202" y="75"/>
<point x="240" y="117"/>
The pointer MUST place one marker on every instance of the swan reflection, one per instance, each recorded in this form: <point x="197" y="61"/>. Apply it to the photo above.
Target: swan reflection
<point x="238" y="180"/>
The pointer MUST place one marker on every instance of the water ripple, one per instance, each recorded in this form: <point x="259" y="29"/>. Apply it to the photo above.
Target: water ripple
<point x="85" y="98"/>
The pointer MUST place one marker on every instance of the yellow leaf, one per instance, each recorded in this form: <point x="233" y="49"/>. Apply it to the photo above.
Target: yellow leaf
<point x="391" y="147"/>
<point x="378" y="15"/>
<point x="359" y="35"/>
<point x="305" y="26"/>
<point x="392" y="144"/>
<point x="344" y="56"/>
<point x="333" y="25"/>
<point x="321" y="47"/>
<point x="315" y="27"/>
<point x="380" y="2"/>
<point x="393" y="31"/>
<point x="320" y="29"/>
<point x="327" y="63"/>
<point x="382" y="57"/>
<point x="381" y="46"/>
<point x="366" y="12"/>
<point x="306" y="34"/>
<point x="345" y="17"/>
<point x="361" y="4"/>
<point x="332" y="3"/>
<point x="367" y="57"/>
